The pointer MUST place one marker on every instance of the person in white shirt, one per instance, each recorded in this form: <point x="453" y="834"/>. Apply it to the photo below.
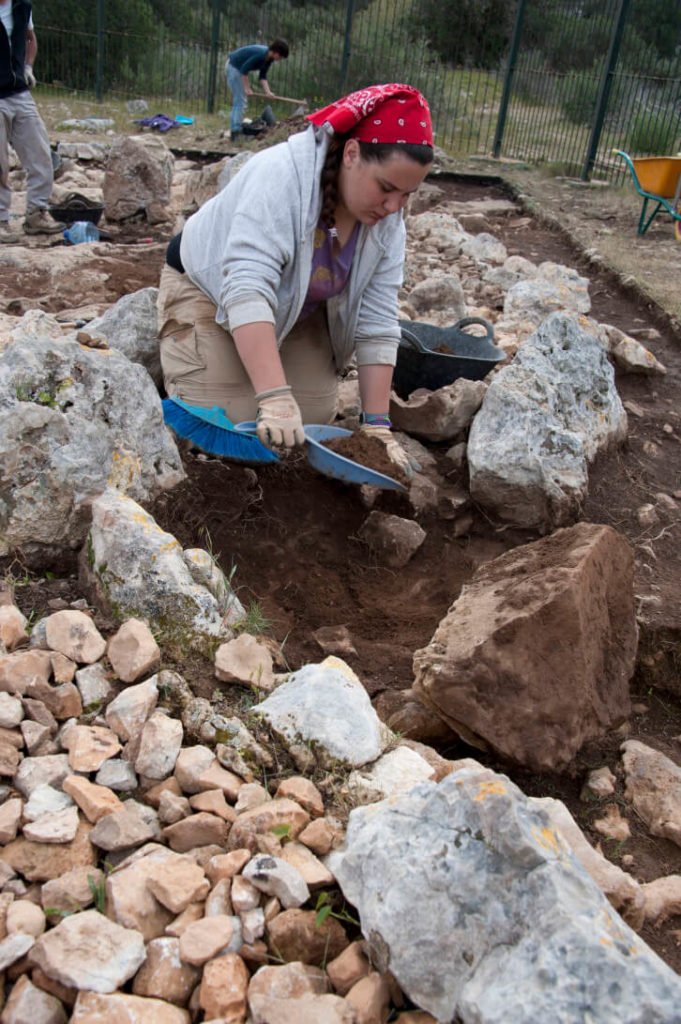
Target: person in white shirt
<point x="21" y="125"/>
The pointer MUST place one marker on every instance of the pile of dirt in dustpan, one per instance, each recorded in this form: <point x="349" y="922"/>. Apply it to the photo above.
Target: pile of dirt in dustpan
<point x="367" y="451"/>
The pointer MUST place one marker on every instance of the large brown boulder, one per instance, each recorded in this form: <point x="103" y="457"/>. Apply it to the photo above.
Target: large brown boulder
<point x="138" y="176"/>
<point x="535" y="657"/>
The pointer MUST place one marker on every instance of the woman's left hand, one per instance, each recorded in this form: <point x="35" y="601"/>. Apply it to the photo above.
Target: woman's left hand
<point x="394" y="450"/>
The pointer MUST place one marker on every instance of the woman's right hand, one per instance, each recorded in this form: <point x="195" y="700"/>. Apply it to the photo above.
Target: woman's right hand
<point x="278" y="423"/>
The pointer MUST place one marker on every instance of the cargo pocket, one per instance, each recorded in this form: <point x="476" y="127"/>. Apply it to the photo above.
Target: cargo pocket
<point x="179" y="351"/>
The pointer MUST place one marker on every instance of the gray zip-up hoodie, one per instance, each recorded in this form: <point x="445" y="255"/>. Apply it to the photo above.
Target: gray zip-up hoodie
<point x="250" y="248"/>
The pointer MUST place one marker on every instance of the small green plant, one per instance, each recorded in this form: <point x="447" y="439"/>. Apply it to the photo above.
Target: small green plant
<point x="324" y="908"/>
<point x="616" y="850"/>
<point x="58" y="912"/>
<point x="98" y="890"/>
<point x="256" y="622"/>
<point x="208" y="545"/>
<point x="281" y="831"/>
<point x="42" y="395"/>
<point x="90" y="551"/>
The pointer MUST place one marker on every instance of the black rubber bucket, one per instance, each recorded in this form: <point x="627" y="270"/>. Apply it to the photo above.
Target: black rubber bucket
<point x="75" y="206"/>
<point x="459" y="354"/>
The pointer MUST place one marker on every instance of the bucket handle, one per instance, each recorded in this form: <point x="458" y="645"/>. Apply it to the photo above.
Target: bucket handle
<point x="77" y="202"/>
<point x="465" y="321"/>
<point x="458" y="326"/>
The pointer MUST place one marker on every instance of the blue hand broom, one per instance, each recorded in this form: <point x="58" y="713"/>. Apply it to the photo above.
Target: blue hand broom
<point x="212" y="432"/>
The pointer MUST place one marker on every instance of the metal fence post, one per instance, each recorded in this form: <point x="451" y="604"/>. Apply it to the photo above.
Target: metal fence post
<point x="213" y="61"/>
<point x="604" y="92"/>
<point x="99" y="69"/>
<point x="347" y="45"/>
<point x="508" y="78"/>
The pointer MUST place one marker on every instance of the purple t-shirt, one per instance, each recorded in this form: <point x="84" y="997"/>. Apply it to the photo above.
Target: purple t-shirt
<point x="330" y="268"/>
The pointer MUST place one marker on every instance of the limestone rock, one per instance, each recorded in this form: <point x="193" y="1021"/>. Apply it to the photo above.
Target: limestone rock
<point x="138" y="568"/>
<point x="549" y="626"/>
<point x="28" y="1004"/>
<point x="77" y="419"/>
<point x="38" y="862"/>
<point x="132" y="651"/>
<point x="224" y="985"/>
<point x="127" y="713"/>
<point x="137" y="179"/>
<point x="93" y="1008"/>
<point x="543" y="419"/>
<point x="88" y="951"/>
<point x="653" y="785"/>
<point x="326" y="706"/>
<point x="501" y="885"/>
<point x="163" y="975"/>
<point x="393" y="539"/>
<point x="131" y="326"/>
<point x="75" y="635"/>
<point x="440" y="415"/>
<point x="245" y="661"/>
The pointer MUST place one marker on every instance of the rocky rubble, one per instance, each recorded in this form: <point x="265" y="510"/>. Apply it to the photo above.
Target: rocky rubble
<point x="180" y="889"/>
<point x="157" y="861"/>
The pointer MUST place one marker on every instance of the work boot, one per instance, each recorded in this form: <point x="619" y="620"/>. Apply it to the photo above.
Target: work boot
<point x="41" y="222"/>
<point x="234" y="136"/>
<point x="8" y="233"/>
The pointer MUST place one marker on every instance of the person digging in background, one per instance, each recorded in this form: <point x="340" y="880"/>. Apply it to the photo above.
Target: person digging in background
<point x="21" y="124"/>
<point x="294" y="268"/>
<point x="240" y="64"/>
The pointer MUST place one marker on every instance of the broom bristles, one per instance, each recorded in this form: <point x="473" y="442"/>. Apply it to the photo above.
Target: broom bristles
<point x="211" y="438"/>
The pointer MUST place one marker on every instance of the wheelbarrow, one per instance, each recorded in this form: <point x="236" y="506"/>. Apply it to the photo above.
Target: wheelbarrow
<point x="657" y="179"/>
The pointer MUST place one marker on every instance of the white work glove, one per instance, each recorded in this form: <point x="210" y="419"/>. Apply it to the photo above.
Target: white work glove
<point x="279" y="422"/>
<point x="29" y="77"/>
<point x="380" y="427"/>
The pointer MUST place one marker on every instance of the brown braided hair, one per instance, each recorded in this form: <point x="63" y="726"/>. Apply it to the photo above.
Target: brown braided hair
<point x="378" y="152"/>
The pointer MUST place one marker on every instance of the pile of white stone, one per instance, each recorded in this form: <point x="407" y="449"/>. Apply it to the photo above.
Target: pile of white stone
<point x="130" y="857"/>
<point x="146" y="877"/>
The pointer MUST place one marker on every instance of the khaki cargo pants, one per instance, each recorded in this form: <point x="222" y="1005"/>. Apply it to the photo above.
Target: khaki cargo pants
<point x="202" y="367"/>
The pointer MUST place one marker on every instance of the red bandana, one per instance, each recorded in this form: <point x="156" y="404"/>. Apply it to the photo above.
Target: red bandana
<point x="380" y="113"/>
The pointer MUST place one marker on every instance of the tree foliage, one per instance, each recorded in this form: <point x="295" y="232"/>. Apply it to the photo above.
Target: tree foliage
<point x="472" y="32"/>
<point x="570" y="35"/>
<point x="658" y="23"/>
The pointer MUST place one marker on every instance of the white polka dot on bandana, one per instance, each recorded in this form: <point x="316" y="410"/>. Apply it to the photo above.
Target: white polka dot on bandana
<point x="400" y="121"/>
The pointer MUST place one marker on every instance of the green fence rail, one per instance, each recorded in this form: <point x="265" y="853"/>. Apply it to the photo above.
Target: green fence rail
<point x="560" y="82"/>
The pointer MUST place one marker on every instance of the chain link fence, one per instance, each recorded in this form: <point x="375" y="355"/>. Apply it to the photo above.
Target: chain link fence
<point x="558" y="82"/>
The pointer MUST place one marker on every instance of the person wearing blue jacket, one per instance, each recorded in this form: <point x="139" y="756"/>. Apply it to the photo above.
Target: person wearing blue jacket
<point x="240" y="64"/>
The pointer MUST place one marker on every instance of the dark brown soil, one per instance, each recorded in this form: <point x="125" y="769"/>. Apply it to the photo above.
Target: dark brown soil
<point x="125" y="269"/>
<point x="288" y="539"/>
<point x="367" y="451"/>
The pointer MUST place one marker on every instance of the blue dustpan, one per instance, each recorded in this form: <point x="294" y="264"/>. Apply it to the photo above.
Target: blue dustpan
<point x="330" y="463"/>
